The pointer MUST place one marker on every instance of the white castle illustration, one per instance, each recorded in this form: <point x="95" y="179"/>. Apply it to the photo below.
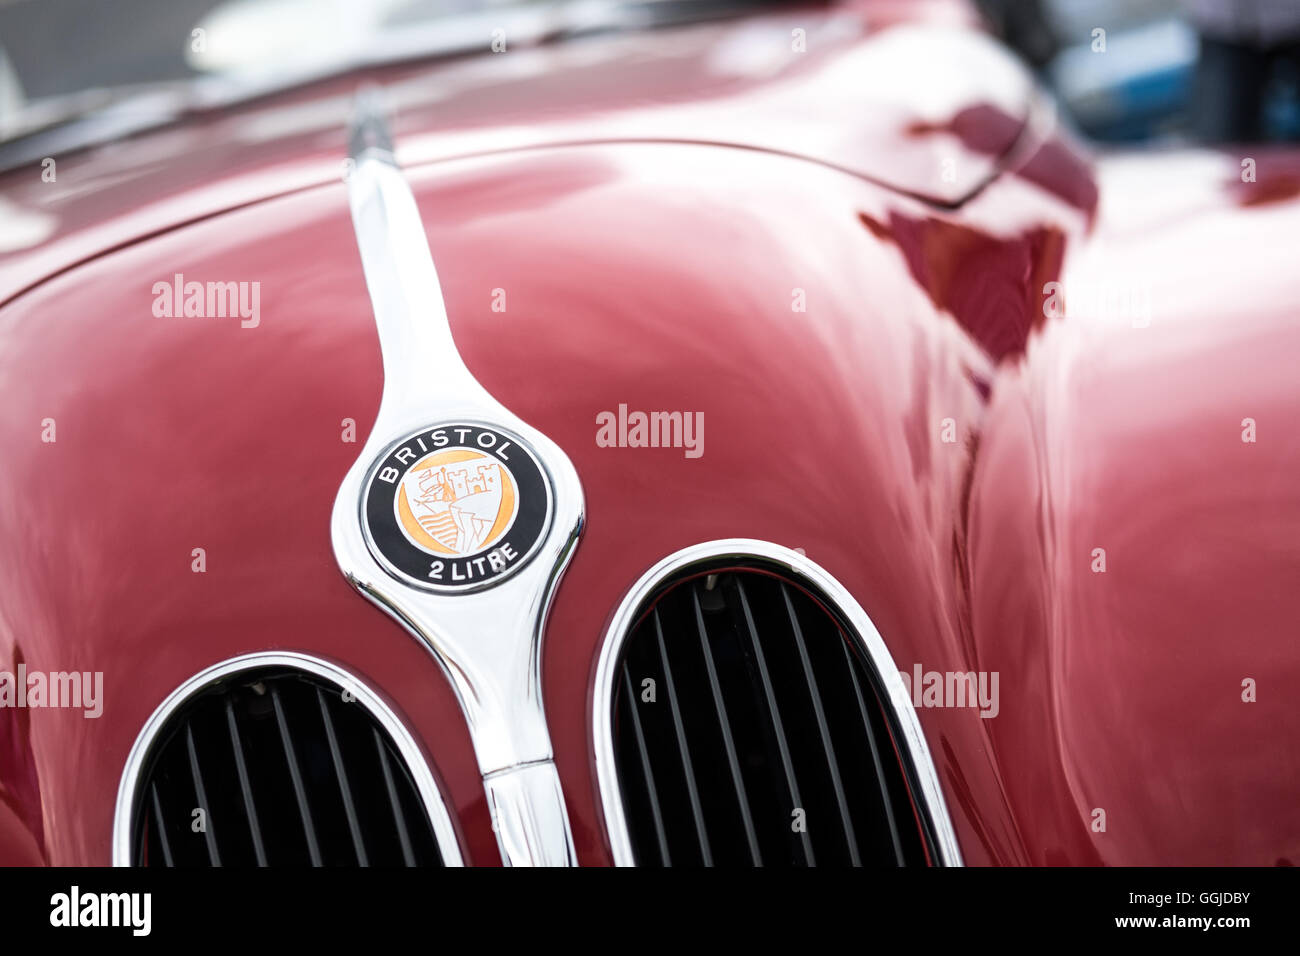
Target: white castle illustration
<point x="456" y="504"/>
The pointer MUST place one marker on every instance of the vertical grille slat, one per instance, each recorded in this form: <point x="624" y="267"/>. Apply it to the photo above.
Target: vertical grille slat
<point x="828" y="747"/>
<point x="163" y="843"/>
<point x="885" y="802"/>
<point x="288" y="774"/>
<point x="295" y="775"/>
<point x="774" y="715"/>
<point x="769" y="707"/>
<point x="683" y="747"/>
<point x="245" y="786"/>
<point x="341" y="773"/>
<point x="399" y="817"/>
<point x="656" y="814"/>
<point x="724" y="725"/>
<point x="201" y="795"/>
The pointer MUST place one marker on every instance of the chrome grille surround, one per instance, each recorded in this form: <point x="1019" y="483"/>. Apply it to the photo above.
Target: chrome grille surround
<point x="410" y="752"/>
<point x="926" y="793"/>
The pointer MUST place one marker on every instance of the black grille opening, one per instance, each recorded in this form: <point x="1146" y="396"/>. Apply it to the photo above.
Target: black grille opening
<point x="287" y="772"/>
<point x="766" y="742"/>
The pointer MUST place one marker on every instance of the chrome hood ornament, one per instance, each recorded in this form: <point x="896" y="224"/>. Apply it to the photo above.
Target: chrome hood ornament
<point x="458" y="518"/>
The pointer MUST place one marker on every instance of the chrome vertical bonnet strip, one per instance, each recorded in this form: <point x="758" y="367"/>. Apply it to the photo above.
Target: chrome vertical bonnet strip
<point x="458" y="518"/>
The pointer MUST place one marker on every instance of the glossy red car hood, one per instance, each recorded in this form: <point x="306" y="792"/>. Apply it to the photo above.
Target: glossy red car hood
<point x="928" y="109"/>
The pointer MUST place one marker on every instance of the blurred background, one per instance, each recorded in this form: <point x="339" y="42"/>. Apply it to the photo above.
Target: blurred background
<point x="1162" y="71"/>
<point x="1207" y="70"/>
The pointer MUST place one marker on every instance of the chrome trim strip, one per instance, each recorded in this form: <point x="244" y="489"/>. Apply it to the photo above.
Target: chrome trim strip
<point x="488" y="642"/>
<point x="443" y="829"/>
<point x="863" y="629"/>
<point x="527" y="807"/>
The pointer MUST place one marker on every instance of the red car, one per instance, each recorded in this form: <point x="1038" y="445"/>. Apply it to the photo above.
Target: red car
<point x="750" y="436"/>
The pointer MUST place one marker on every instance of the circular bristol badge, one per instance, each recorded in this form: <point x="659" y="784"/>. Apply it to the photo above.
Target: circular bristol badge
<point x="457" y="507"/>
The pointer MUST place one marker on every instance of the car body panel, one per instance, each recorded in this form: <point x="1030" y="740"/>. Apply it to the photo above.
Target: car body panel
<point x="1125" y="433"/>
